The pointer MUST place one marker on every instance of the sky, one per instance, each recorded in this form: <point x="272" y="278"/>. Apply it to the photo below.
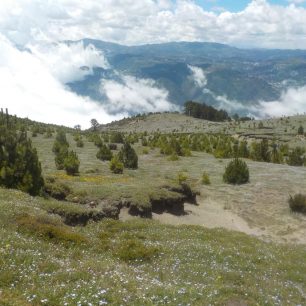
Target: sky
<point x="239" y="5"/>
<point x="35" y="64"/>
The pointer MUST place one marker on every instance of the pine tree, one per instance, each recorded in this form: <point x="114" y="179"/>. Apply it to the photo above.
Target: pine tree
<point x="19" y="164"/>
<point x="104" y="153"/>
<point x="236" y="172"/>
<point x="128" y="156"/>
<point x="71" y="163"/>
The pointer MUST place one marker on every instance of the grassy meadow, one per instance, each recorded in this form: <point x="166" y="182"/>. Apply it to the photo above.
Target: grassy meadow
<point x="141" y="261"/>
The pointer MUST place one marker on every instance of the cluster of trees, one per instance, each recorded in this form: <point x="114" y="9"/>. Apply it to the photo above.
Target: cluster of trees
<point x="203" y="111"/>
<point x="19" y="164"/>
<point x="223" y="146"/>
<point x="65" y="159"/>
<point x="126" y="157"/>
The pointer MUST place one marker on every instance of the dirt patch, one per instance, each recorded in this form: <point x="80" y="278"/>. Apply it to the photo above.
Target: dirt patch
<point x="211" y="214"/>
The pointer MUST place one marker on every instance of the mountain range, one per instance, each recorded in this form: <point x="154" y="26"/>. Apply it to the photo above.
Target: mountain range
<point x="217" y="74"/>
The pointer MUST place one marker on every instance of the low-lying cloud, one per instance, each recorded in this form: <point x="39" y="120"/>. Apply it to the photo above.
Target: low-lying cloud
<point x="292" y="102"/>
<point x="198" y="76"/>
<point x="69" y="62"/>
<point x="134" y="95"/>
<point x="28" y="89"/>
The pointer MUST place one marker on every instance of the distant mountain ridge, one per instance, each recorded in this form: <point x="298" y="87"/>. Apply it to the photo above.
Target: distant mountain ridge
<point x="217" y="74"/>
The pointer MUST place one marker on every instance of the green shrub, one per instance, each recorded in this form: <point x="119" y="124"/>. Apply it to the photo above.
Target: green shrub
<point x="56" y="190"/>
<point x="145" y="151"/>
<point x="62" y="152"/>
<point x="173" y="157"/>
<point x="71" y="163"/>
<point x="116" y="138"/>
<point x="136" y="250"/>
<point x="116" y="166"/>
<point x="205" y="179"/>
<point x="186" y="152"/>
<point x="47" y="229"/>
<point x="298" y="203"/>
<point x="144" y="142"/>
<point x="104" y="153"/>
<point x="19" y="164"/>
<point x="295" y="157"/>
<point x="182" y="177"/>
<point x="80" y="143"/>
<point x="301" y="130"/>
<point x="236" y="172"/>
<point x="112" y="146"/>
<point x="128" y="156"/>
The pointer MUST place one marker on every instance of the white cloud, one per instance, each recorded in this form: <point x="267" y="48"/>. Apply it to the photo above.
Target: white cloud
<point x="296" y="1"/>
<point x="28" y="89"/>
<point x="32" y="84"/>
<point x="135" y="95"/>
<point x="292" y="102"/>
<point x="69" y="62"/>
<point x="260" y="24"/>
<point x="198" y="76"/>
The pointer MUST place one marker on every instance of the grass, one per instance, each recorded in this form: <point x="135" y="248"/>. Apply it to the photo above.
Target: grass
<point x="284" y="129"/>
<point x="263" y="203"/>
<point x="139" y="262"/>
<point x="143" y="262"/>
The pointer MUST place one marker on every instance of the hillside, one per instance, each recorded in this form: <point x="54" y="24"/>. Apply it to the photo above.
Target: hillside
<point x="220" y="75"/>
<point x="281" y="129"/>
<point x="231" y="245"/>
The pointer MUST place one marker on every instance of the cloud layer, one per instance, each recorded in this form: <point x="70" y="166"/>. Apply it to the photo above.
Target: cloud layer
<point x="291" y="102"/>
<point x="133" y="95"/>
<point x="35" y="64"/>
<point x="260" y="24"/>
<point x="30" y="90"/>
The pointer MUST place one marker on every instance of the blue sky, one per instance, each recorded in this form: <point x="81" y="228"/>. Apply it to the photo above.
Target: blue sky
<point x="238" y="5"/>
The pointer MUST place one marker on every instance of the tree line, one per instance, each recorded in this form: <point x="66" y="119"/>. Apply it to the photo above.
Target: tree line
<point x="203" y="111"/>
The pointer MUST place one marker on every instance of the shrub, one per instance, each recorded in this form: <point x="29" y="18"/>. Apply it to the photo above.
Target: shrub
<point x="298" y="203"/>
<point x="104" y="153"/>
<point x="136" y="250"/>
<point x="80" y="143"/>
<point x="128" y="156"/>
<point x="301" y="130"/>
<point x="145" y="151"/>
<point x="236" y="172"/>
<point x="144" y="142"/>
<point x="62" y="152"/>
<point x="56" y="190"/>
<point x="295" y="157"/>
<point x="47" y="229"/>
<point x="116" y="166"/>
<point x="112" y="146"/>
<point x="173" y="157"/>
<point x="116" y="138"/>
<point x="182" y="177"/>
<point x="205" y="179"/>
<point x="71" y="163"/>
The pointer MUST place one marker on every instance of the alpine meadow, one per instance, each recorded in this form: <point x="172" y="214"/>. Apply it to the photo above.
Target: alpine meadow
<point x="152" y="153"/>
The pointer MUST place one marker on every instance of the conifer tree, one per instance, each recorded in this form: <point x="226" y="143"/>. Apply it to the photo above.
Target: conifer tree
<point x="128" y="156"/>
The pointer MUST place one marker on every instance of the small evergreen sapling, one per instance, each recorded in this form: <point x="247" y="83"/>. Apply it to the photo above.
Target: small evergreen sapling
<point x="236" y="172"/>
